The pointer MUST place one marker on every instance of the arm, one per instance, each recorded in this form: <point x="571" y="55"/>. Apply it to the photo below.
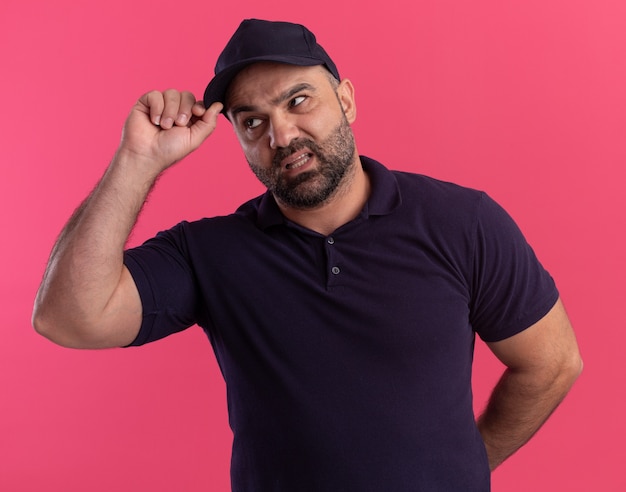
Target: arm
<point x="542" y="362"/>
<point x="87" y="298"/>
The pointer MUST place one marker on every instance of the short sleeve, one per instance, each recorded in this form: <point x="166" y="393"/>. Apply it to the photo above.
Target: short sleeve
<point x="166" y="285"/>
<point x="510" y="288"/>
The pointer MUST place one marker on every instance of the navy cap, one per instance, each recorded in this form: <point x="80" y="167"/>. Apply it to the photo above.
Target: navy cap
<point x="258" y="41"/>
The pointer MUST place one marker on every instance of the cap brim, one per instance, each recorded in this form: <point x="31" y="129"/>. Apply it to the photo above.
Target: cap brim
<point x="217" y="88"/>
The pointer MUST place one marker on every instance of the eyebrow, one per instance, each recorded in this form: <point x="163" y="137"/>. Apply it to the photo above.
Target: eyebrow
<point x="284" y="96"/>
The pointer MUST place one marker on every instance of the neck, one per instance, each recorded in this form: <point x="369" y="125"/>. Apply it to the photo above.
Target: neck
<point x="340" y="209"/>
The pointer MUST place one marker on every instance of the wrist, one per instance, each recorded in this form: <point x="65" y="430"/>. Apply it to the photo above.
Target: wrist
<point x="137" y="168"/>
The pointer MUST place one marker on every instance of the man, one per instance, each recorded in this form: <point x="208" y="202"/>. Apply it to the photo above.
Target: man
<point x="342" y="304"/>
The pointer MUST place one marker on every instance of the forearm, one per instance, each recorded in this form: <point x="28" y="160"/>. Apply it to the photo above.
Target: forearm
<point x="519" y="405"/>
<point x="86" y="262"/>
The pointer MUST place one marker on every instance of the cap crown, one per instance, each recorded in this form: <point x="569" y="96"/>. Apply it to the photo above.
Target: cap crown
<point x="260" y="40"/>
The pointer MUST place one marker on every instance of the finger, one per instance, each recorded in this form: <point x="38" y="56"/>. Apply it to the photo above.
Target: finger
<point x="154" y="104"/>
<point x="211" y="114"/>
<point x="204" y="126"/>
<point x="187" y="101"/>
<point x="171" y="109"/>
<point x="198" y="109"/>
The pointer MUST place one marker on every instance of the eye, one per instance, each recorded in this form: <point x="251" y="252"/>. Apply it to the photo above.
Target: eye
<point x="252" y="123"/>
<point x="297" y="101"/>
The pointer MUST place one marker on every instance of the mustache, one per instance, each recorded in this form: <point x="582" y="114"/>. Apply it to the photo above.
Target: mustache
<point x="293" y="147"/>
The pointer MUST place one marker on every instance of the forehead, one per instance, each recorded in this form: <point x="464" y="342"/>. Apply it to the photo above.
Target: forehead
<point x="261" y="82"/>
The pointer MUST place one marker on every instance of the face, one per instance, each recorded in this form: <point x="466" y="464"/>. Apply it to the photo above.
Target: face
<point x="293" y="124"/>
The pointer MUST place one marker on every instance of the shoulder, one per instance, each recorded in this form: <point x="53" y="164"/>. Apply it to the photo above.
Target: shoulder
<point x="435" y="191"/>
<point x="246" y="216"/>
<point x="189" y="237"/>
<point x="445" y="207"/>
<point x="417" y="192"/>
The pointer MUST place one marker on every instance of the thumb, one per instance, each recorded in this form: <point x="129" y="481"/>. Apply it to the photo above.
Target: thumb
<point x="204" y="126"/>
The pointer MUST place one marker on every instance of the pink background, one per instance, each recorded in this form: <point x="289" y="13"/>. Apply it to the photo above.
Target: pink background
<point x="524" y="99"/>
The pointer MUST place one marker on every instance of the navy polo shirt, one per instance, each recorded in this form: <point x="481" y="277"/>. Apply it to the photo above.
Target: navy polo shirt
<point x="347" y="358"/>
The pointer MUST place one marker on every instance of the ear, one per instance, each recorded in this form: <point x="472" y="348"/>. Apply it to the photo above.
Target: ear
<point x="345" y="94"/>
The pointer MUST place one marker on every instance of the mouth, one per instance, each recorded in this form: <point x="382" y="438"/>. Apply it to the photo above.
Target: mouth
<point x="297" y="161"/>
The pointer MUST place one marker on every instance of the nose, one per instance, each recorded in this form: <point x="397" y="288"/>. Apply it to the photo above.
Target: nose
<point x="283" y="131"/>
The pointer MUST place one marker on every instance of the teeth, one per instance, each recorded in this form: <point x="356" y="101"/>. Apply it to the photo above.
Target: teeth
<point x="300" y="161"/>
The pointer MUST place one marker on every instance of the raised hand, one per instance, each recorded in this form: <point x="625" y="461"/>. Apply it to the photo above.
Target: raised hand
<point x="164" y="127"/>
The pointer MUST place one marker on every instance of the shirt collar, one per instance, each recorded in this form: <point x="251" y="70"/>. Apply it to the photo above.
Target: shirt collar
<point x="384" y="197"/>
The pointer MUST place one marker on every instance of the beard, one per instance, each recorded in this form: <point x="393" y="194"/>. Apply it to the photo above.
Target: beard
<point x="310" y="189"/>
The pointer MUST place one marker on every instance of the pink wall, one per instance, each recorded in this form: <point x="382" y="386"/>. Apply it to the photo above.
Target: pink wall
<point x="523" y="99"/>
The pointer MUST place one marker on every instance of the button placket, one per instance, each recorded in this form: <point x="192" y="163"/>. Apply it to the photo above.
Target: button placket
<point x="331" y="253"/>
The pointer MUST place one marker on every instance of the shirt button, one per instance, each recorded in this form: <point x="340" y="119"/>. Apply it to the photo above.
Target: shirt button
<point x="331" y="240"/>
<point x="335" y="270"/>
